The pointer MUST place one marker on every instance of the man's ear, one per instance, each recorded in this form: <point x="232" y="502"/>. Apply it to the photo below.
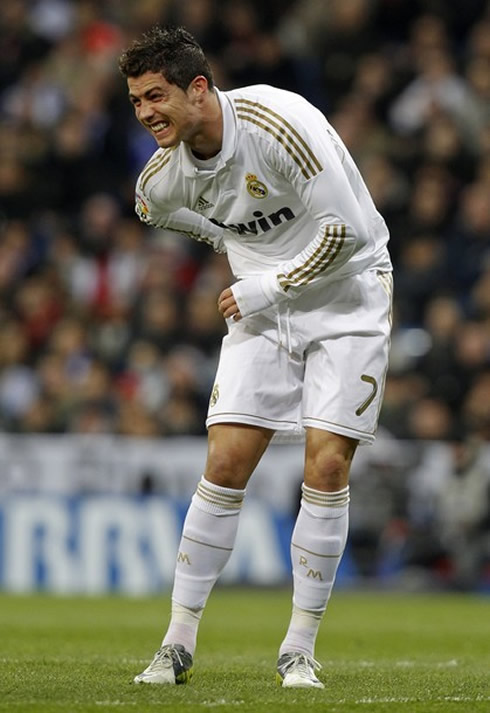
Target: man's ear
<point x="198" y="87"/>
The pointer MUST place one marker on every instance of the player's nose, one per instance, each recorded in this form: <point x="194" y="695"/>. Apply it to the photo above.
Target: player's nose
<point x="145" y="112"/>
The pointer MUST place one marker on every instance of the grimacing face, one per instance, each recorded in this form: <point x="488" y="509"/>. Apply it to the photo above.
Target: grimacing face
<point x="169" y="113"/>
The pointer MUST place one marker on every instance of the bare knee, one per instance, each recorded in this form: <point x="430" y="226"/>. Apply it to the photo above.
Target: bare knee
<point x="233" y="453"/>
<point x="329" y="471"/>
<point x="328" y="460"/>
<point x="225" y="467"/>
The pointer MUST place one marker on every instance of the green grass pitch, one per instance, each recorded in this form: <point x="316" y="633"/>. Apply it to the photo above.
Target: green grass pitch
<point x="381" y="652"/>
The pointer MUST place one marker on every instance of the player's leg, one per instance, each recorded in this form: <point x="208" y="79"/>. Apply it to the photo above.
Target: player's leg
<point x="257" y="391"/>
<point x="317" y="545"/>
<point x="343" y="387"/>
<point x="211" y="523"/>
<point x="206" y="544"/>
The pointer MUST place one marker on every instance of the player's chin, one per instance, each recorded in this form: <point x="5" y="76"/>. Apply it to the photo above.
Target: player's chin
<point x="167" y="142"/>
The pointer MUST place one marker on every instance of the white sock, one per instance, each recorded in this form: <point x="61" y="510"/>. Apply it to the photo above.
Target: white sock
<point x="184" y="623"/>
<point x="207" y="542"/>
<point x="317" y="546"/>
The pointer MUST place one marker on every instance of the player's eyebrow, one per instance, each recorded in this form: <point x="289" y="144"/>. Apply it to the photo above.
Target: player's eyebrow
<point x="145" y="93"/>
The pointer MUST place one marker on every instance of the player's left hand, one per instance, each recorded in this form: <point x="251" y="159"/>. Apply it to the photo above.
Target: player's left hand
<point x="228" y="306"/>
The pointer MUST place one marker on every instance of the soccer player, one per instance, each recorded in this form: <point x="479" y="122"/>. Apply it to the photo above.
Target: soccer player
<point x="260" y="174"/>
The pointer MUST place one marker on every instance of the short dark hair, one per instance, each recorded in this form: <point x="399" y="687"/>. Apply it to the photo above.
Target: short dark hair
<point x="171" y="51"/>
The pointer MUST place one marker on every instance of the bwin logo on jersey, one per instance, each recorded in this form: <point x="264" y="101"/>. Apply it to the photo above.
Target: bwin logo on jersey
<point x="261" y="225"/>
<point x="256" y="188"/>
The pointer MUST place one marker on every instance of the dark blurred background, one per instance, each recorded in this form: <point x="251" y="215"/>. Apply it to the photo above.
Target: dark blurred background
<point x="110" y="327"/>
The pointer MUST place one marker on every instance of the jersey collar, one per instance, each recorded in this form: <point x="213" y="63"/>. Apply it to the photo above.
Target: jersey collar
<point x="229" y="141"/>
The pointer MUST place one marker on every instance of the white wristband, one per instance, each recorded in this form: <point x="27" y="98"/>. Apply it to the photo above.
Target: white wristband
<point x="254" y="294"/>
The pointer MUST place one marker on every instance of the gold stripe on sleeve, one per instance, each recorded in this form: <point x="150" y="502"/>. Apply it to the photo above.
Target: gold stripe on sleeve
<point x="318" y="262"/>
<point x="279" y="138"/>
<point x="152" y="162"/>
<point x="305" y="160"/>
<point x="153" y="167"/>
<point x="274" y="118"/>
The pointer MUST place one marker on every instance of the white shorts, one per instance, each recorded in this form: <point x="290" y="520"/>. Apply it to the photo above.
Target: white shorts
<point x="320" y="362"/>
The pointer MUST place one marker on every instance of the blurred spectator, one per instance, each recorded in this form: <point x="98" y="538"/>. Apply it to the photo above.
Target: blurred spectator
<point x="21" y="43"/>
<point x="430" y="419"/>
<point x="469" y="238"/>
<point x="429" y="207"/>
<point x="443" y="320"/>
<point x="403" y="390"/>
<point x="204" y="327"/>
<point x="436" y="87"/>
<point x="111" y="326"/>
<point x="476" y="406"/>
<point x="448" y="539"/>
<point x="144" y="377"/>
<point x="421" y="273"/>
<point x="388" y="185"/>
<point x="19" y="384"/>
<point x="39" y="305"/>
<point x="462" y="517"/>
<point x="135" y="421"/>
<point x="444" y="145"/>
<point x="158" y="319"/>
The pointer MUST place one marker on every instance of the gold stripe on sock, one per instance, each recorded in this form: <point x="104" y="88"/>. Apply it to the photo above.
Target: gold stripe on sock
<point x="206" y="544"/>
<point x="316" y="554"/>
<point x="325" y="499"/>
<point x="225" y="500"/>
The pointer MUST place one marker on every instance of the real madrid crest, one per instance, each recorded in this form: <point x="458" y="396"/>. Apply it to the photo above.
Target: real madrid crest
<point x="256" y="188"/>
<point x="214" y="396"/>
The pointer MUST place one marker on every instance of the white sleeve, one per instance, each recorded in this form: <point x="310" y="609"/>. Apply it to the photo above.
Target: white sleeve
<point x="331" y="191"/>
<point x="182" y="220"/>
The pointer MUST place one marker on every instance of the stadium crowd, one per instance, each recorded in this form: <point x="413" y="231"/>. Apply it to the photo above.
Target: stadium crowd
<point x="108" y="326"/>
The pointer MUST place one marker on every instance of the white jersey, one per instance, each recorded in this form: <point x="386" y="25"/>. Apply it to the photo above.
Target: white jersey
<point x="283" y="198"/>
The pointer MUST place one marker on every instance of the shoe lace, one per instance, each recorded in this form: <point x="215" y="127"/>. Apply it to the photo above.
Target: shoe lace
<point x="165" y="656"/>
<point x="303" y="664"/>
